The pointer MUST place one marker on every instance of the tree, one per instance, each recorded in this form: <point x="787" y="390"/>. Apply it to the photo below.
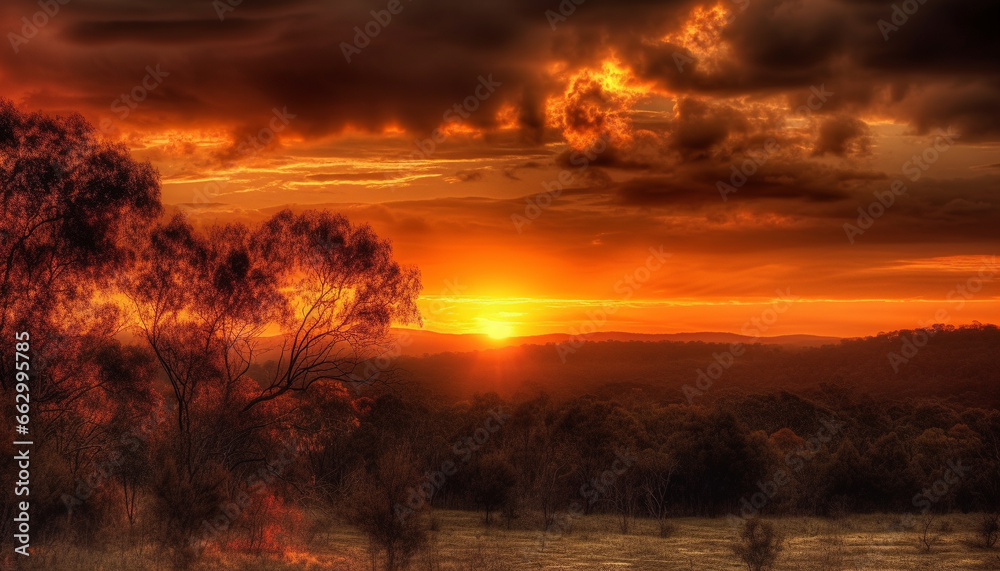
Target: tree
<point x="380" y="505"/>
<point x="655" y="470"/>
<point x="596" y="430"/>
<point x="550" y="483"/>
<point x="926" y="537"/>
<point x="203" y="303"/>
<point x="625" y="496"/>
<point x="69" y="206"/>
<point x="493" y="483"/>
<point x="344" y="292"/>
<point x="759" y="545"/>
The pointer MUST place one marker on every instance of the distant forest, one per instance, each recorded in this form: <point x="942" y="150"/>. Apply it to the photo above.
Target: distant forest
<point x="851" y="436"/>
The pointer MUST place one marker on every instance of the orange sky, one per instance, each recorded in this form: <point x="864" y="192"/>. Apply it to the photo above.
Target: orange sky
<point x="260" y="109"/>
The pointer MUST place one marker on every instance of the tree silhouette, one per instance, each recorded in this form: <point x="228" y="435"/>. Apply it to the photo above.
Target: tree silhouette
<point x="68" y="205"/>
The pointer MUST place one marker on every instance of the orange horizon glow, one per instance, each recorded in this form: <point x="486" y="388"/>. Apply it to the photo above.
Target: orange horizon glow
<point x="526" y="317"/>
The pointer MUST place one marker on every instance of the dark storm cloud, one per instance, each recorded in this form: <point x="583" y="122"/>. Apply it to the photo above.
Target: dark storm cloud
<point x="701" y="126"/>
<point x="936" y="69"/>
<point x="781" y="42"/>
<point x="424" y="61"/>
<point x="964" y="212"/>
<point x="699" y="188"/>
<point x="843" y="135"/>
<point x="175" y="32"/>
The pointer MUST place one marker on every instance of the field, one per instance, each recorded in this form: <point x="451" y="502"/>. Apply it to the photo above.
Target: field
<point x="461" y="542"/>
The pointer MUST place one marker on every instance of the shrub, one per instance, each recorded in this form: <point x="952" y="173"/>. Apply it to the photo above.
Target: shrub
<point x="988" y="530"/>
<point x="666" y="528"/>
<point x="759" y="545"/>
<point x="927" y="538"/>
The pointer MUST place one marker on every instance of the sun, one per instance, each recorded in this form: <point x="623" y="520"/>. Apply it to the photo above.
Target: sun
<point x="497" y="329"/>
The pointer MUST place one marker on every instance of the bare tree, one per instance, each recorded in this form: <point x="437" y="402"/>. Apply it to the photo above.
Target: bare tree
<point x="380" y="505"/>
<point x="555" y="468"/>
<point x="656" y="471"/>
<point x="625" y="496"/>
<point x="204" y="303"/>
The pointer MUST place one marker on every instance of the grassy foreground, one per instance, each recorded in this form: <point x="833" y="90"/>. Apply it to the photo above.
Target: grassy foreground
<point x="462" y="542"/>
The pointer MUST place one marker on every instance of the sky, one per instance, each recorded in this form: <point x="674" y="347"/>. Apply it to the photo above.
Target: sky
<point x="550" y="167"/>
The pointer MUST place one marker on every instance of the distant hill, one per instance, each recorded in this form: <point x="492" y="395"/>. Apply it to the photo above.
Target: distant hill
<point x="955" y="364"/>
<point x="420" y="342"/>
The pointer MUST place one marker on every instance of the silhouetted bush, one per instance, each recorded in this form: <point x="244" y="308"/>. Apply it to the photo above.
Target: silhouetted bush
<point x="759" y="545"/>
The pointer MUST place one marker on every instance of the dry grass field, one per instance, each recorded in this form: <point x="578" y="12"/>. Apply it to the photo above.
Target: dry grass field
<point x="462" y="542"/>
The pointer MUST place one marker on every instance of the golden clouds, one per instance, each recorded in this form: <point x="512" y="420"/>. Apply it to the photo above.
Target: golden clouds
<point x="596" y="103"/>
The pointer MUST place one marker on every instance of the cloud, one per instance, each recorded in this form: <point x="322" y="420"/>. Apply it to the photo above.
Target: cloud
<point x="675" y="127"/>
<point x="937" y="70"/>
<point x="843" y="136"/>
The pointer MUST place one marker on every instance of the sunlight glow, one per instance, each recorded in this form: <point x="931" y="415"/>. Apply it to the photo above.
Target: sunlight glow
<point x="497" y="329"/>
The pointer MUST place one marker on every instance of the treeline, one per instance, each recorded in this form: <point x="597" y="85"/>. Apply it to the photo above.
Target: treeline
<point x="382" y="460"/>
<point x="533" y="459"/>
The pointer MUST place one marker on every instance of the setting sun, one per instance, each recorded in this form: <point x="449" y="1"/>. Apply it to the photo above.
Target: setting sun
<point x="497" y="329"/>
